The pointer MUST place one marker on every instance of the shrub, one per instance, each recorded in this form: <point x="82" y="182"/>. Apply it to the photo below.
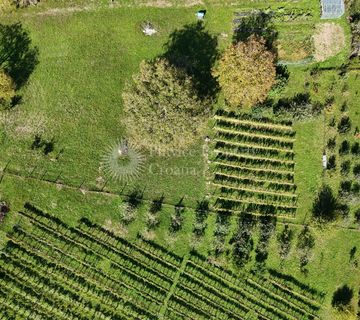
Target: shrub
<point x="355" y="189"/>
<point x="344" y="106"/>
<point x="218" y="246"/>
<point x="177" y="218"/>
<point x="127" y="213"/>
<point x="284" y="239"/>
<point x="345" y="187"/>
<point x="266" y="228"/>
<point x="305" y="244"/>
<point x="344" y="125"/>
<point x="243" y="241"/>
<point x="4" y="209"/>
<point x="355" y="148"/>
<point x="345" y="167"/>
<point x="222" y="226"/>
<point x="162" y="110"/>
<point x="282" y="79"/>
<point x="152" y="220"/>
<point x="199" y="228"/>
<point x="331" y="144"/>
<point x="331" y="165"/>
<point x="25" y="3"/>
<point x="356" y="170"/>
<point x="135" y="198"/>
<point x="246" y="72"/>
<point x="299" y="107"/>
<point x="343" y="209"/>
<point x="156" y="205"/>
<point x="329" y="101"/>
<point x="344" y="147"/>
<point x="332" y="122"/>
<point x="357" y="216"/>
<point x="202" y="212"/>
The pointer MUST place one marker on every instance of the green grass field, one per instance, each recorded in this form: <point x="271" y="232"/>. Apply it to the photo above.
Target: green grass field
<point x="87" y="52"/>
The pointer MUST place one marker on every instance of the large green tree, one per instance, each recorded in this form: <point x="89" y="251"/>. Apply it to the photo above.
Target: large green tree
<point x="162" y="110"/>
<point x="246" y="72"/>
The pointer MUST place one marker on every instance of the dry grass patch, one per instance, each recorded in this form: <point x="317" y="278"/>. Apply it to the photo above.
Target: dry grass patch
<point x="19" y="124"/>
<point x="329" y="39"/>
<point x="116" y="228"/>
<point x="294" y="50"/>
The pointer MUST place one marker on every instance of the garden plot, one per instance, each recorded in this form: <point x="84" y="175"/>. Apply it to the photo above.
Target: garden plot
<point x="98" y="275"/>
<point x="213" y="293"/>
<point x="329" y="40"/>
<point x="253" y="165"/>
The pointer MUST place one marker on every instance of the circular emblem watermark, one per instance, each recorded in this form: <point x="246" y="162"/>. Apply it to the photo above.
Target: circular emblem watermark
<point x="123" y="161"/>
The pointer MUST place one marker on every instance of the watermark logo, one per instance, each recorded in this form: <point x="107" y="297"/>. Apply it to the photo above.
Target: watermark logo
<point x="123" y="161"/>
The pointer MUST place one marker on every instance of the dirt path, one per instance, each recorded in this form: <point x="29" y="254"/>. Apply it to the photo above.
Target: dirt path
<point x="116" y="4"/>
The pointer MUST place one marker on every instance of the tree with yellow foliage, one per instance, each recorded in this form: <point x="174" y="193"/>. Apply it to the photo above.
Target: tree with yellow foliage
<point x="6" y="6"/>
<point x="7" y="89"/>
<point x="163" y="111"/>
<point x="246" y="72"/>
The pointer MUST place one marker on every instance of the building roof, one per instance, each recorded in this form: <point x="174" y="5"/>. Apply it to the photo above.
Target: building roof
<point x="332" y="9"/>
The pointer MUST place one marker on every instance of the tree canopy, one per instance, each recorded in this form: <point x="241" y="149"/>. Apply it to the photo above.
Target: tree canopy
<point x="6" y="6"/>
<point x="162" y="109"/>
<point x="246" y="72"/>
<point x="7" y="88"/>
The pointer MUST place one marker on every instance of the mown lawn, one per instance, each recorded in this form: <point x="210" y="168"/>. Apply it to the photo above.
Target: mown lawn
<point x="74" y="99"/>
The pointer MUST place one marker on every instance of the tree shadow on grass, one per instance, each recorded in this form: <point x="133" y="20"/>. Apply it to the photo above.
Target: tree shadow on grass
<point x="257" y="23"/>
<point x="194" y="50"/>
<point x="342" y="297"/>
<point x="17" y="55"/>
<point x="325" y="205"/>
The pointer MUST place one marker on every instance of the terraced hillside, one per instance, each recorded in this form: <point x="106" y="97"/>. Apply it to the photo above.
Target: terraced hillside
<point x="52" y="271"/>
<point x="253" y="165"/>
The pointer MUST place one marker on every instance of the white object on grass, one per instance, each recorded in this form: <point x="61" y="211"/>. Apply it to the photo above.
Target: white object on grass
<point x="149" y="30"/>
<point x="324" y="161"/>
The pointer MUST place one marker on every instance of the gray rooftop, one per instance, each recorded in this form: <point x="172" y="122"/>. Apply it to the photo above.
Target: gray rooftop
<point x="332" y="9"/>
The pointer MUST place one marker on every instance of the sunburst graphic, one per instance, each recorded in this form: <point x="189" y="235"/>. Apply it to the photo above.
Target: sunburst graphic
<point x="123" y="161"/>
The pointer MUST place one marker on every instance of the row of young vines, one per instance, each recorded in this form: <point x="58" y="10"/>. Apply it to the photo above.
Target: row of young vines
<point x="253" y="164"/>
<point x="50" y="270"/>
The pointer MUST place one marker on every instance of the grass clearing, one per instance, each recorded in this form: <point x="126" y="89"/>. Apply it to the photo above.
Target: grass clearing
<point x="87" y="53"/>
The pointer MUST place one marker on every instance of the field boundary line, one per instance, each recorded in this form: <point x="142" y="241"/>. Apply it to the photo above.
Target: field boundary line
<point x="212" y="210"/>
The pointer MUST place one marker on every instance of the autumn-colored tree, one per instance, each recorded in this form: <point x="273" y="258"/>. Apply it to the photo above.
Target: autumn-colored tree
<point x="162" y="110"/>
<point x="246" y="72"/>
<point x="6" y="6"/>
<point x="7" y="89"/>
